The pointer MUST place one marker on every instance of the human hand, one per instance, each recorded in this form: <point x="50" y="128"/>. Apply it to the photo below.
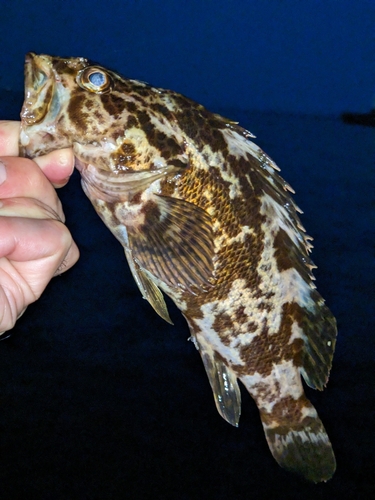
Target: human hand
<point x="35" y="245"/>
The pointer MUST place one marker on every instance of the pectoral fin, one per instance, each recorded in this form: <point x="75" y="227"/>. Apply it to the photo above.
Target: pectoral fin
<point x="175" y="244"/>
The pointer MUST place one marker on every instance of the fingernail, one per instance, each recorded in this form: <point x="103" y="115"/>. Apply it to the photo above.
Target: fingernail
<point x="3" y="172"/>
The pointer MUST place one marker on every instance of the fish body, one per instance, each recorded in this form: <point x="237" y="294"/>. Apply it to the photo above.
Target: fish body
<point x="204" y="217"/>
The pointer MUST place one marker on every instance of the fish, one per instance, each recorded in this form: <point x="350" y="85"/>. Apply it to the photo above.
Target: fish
<point x="205" y="218"/>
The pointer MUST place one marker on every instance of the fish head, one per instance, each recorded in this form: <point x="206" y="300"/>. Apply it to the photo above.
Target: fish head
<point x="50" y="84"/>
<point x="105" y="118"/>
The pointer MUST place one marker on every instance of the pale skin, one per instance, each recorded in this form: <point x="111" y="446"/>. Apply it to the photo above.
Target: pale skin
<point x="35" y="245"/>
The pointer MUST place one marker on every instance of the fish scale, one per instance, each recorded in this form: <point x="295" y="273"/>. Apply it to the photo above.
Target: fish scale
<point x="204" y="217"/>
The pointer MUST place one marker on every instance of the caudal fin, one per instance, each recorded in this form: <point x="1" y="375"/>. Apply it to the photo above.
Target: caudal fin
<point x="297" y="439"/>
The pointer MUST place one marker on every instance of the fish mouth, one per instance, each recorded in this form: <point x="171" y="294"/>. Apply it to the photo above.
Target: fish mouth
<point x="29" y="57"/>
<point x="39" y="88"/>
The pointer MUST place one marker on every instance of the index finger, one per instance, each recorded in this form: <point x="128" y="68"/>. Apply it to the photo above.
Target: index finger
<point x="9" y="137"/>
<point x="57" y="165"/>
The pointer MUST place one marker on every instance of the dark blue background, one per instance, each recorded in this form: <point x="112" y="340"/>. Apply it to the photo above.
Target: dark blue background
<point x="101" y="399"/>
<point x="279" y="55"/>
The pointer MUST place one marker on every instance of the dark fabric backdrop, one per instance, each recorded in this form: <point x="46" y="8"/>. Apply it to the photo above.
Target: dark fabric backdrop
<point x="101" y="399"/>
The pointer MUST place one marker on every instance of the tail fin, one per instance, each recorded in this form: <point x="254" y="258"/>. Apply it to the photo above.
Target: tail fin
<point x="297" y="439"/>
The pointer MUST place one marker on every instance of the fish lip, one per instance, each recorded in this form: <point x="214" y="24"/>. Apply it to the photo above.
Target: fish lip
<point x="38" y="94"/>
<point x="29" y="57"/>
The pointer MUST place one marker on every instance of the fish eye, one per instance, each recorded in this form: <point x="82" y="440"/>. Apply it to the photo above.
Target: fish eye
<point x="95" y="80"/>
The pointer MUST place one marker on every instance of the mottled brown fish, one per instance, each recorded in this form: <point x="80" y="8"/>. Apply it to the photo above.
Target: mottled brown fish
<point x="203" y="216"/>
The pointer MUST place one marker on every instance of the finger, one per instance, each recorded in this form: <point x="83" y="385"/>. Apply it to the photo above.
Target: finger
<point x="28" y="208"/>
<point x="12" y="301"/>
<point x="69" y="260"/>
<point x="36" y="250"/>
<point x="57" y="166"/>
<point x="23" y="280"/>
<point x="22" y="178"/>
<point x="9" y="137"/>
